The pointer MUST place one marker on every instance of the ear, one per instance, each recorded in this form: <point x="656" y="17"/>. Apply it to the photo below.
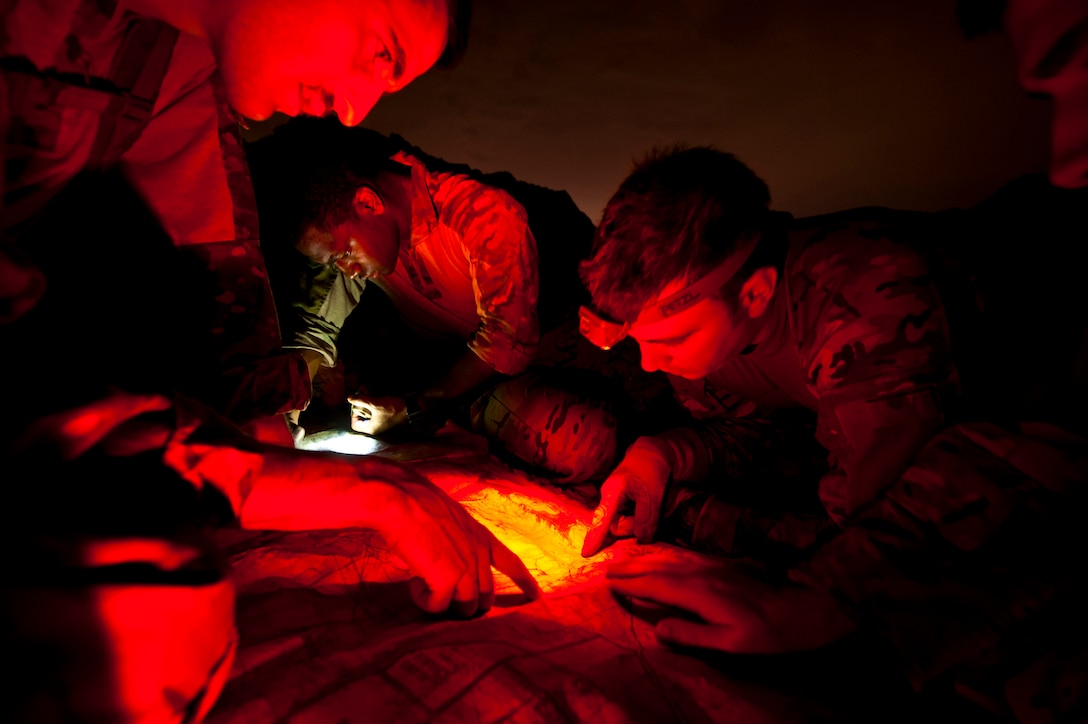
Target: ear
<point x="367" y="200"/>
<point x="758" y="291"/>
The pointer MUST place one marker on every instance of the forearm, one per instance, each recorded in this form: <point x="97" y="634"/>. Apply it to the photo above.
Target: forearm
<point x="315" y="319"/>
<point x="723" y="448"/>
<point x="683" y="451"/>
<point x="960" y="546"/>
<point x="872" y="440"/>
<point x="466" y="374"/>
<point x="301" y="490"/>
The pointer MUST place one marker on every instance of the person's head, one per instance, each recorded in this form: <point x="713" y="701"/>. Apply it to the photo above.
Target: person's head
<point x="324" y="56"/>
<point x="676" y="262"/>
<point x="334" y="193"/>
<point x="1050" y="39"/>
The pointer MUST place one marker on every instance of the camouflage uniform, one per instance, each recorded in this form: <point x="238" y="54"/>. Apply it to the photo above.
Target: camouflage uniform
<point x="129" y="270"/>
<point x="468" y="271"/>
<point x="962" y="567"/>
<point x="856" y="334"/>
<point x="90" y="91"/>
<point x="943" y="531"/>
<point x="469" y="275"/>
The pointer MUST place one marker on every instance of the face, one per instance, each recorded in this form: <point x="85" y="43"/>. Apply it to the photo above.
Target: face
<point x="363" y="247"/>
<point x="1051" y="42"/>
<point x="324" y="56"/>
<point x="697" y="340"/>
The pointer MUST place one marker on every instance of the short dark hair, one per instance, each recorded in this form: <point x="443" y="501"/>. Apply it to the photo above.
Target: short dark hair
<point x="678" y="214"/>
<point x="306" y="171"/>
<point x="460" y="17"/>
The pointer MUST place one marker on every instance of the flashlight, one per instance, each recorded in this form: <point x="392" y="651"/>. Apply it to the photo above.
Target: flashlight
<point x="599" y="330"/>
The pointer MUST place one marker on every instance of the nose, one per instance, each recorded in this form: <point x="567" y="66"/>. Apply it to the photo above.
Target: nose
<point x="351" y="111"/>
<point x="651" y="361"/>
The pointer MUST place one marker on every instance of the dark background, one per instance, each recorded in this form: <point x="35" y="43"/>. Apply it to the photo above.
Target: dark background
<point x="835" y="103"/>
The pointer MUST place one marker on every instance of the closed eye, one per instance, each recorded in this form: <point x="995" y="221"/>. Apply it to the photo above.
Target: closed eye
<point x="383" y="60"/>
<point x="393" y="53"/>
<point x="670" y="340"/>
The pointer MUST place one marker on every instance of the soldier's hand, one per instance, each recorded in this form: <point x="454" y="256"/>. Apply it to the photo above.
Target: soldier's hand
<point x="450" y="553"/>
<point x="738" y="611"/>
<point x="375" y="415"/>
<point x="638" y="482"/>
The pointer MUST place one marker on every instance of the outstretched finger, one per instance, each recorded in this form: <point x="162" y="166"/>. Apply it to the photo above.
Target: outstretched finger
<point x="597" y="535"/>
<point x="678" y="632"/>
<point x="677" y="562"/>
<point x="485" y="584"/>
<point x="506" y="561"/>
<point x="657" y="587"/>
<point x="640" y="566"/>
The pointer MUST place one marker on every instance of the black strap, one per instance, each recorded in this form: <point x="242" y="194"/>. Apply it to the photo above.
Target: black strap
<point x="138" y="69"/>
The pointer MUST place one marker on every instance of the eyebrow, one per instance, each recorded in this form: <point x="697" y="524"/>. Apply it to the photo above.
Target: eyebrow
<point x="670" y="340"/>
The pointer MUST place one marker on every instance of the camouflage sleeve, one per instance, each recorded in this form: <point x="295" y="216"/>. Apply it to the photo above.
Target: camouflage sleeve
<point x="502" y="259"/>
<point x="325" y="300"/>
<point x="964" y="547"/>
<point x="753" y="454"/>
<point x="727" y="435"/>
<point x="119" y="429"/>
<point x="875" y="347"/>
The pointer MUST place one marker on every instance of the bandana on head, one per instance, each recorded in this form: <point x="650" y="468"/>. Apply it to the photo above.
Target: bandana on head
<point x="607" y="333"/>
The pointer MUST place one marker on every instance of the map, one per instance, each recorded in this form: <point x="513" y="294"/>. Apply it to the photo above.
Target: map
<point x="329" y="633"/>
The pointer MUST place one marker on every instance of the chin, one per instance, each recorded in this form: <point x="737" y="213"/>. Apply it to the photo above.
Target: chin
<point x="259" y="111"/>
<point x="687" y="374"/>
<point x="250" y="102"/>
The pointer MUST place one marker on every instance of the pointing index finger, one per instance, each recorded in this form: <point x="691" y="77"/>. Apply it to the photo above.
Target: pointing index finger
<point x="506" y="561"/>
<point x="602" y="521"/>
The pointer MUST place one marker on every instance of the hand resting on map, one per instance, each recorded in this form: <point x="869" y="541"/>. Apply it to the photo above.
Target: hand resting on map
<point x="740" y="612"/>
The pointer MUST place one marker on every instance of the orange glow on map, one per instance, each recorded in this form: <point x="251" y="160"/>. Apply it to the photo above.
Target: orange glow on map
<point x="544" y="528"/>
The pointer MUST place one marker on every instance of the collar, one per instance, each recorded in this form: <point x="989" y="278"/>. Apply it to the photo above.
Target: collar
<point x="424" y="212"/>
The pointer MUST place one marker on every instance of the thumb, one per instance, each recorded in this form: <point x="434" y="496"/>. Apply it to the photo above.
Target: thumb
<point x="597" y="534"/>
<point x="602" y="518"/>
<point x="428" y="597"/>
<point x="678" y="632"/>
<point x="647" y="513"/>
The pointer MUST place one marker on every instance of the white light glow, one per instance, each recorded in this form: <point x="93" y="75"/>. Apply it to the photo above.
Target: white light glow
<point x="340" y="441"/>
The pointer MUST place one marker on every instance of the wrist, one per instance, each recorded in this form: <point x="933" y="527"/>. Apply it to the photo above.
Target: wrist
<point x="414" y="411"/>
<point x="426" y="412"/>
<point x="649" y="451"/>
